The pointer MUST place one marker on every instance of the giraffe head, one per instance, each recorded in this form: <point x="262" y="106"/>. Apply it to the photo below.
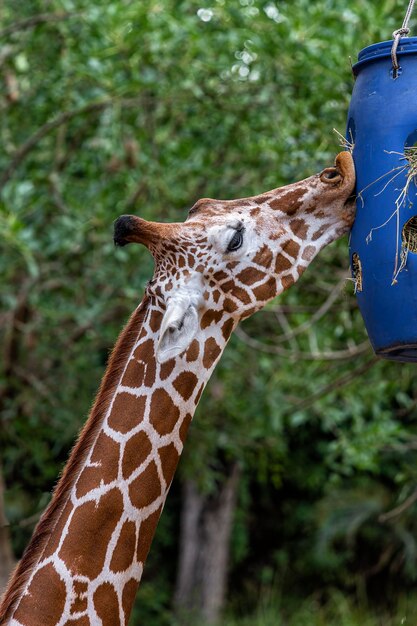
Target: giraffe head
<point x="233" y="256"/>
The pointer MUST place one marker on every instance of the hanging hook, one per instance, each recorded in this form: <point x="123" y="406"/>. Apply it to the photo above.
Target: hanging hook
<point x="397" y="34"/>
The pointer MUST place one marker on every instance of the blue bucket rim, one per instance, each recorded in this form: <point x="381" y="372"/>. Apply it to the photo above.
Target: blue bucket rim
<point x="382" y="49"/>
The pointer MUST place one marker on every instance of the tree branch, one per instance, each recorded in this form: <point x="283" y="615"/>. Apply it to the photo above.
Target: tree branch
<point x="138" y="191"/>
<point x="343" y="381"/>
<point x="400" y="509"/>
<point x="94" y="107"/>
<point x="304" y="308"/>
<point x="334" y="355"/>
<point x="37" y="384"/>
<point x="320" y="312"/>
<point x="30" y="22"/>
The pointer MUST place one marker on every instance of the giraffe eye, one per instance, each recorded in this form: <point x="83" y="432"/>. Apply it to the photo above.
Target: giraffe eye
<point x="236" y="241"/>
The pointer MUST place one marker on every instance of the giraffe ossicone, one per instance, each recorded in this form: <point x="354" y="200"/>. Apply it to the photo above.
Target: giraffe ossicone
<point x="86" y="557"/>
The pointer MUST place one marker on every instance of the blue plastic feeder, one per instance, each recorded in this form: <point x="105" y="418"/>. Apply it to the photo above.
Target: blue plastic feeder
<point x="382" y="126"/>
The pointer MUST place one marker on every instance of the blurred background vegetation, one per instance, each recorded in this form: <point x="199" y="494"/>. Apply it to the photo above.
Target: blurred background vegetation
<point x="303" y="440"/>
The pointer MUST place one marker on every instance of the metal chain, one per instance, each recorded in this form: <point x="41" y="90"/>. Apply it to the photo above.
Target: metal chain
<point x="397" y="34"/>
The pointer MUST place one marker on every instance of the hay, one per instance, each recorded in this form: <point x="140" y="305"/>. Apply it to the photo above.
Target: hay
<point x="409" y="234"/>
<point x="344" y="142"/>
<point x="357" y="272"/>
<point x="409" y="165"/>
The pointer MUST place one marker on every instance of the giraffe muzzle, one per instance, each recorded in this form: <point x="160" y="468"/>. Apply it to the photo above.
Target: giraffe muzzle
<point x="134" y="229"/>
<point x="124" y="227"/>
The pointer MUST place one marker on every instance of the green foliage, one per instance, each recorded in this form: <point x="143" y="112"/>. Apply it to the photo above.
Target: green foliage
<point x="337" y="610"/>
<point x="145" y="107"/>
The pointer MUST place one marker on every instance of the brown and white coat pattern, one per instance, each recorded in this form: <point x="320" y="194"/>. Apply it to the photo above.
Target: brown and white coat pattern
<point x="85" y="560"/>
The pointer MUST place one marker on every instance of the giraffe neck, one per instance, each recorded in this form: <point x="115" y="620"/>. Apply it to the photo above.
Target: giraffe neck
<point x="86" y="557"/>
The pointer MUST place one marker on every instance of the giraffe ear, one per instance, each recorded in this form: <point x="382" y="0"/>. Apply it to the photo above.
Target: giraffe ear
<point x="178" y="328"/>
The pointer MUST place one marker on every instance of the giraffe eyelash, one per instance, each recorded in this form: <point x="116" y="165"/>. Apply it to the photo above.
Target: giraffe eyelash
<point x="237" y="240"/>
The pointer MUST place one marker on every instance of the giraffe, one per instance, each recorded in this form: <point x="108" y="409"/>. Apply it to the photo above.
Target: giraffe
<point x="85" y="560"/>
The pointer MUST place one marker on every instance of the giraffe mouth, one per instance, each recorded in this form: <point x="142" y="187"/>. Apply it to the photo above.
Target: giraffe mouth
<point x="123" y="228"/>
<point x="349" y="210"/>
<point x="346" y="168"/>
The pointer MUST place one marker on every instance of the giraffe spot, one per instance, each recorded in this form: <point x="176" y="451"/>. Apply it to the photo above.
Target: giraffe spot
<point x="289" y="202"/>
<point x="124" y="552"/>
<point x="181" y="261"/>
<point x="164" y="414"/>
<point x="255" y="212"/>
<point x="142" y="351"/>
<point x="78" y="621"/>
<point x="79" y="602"/>
<point x="282" y="264"/>
<point x="146" y="533"/>
<point x="216" y="295"/>
<point x="220" y="275"/>
<point x="292" y="248"/>
<point x="106" y="454"/>
<point x="37" y="604"/>
<point x="198" y="396"/>
<point x="185" y="384"/>
<point x="146" y="487"/>
<point x="54" y="540"/>
<point x="250" y="275"/>
<point x="202" y="203"/>
<point x="242" y="295"/>
<point x="106" y="605"/>
<point x="193" y="351"/>
<point x="320" y="232"/>
<point x="185" y="426"/>
<point x="134" y="375"/>
<point x="150" y="372"/>
<point x="229" y="305"/>
<point x="263" y="257"/>
<point x="155" y="321"/>
<point x="190" y="259"/>
<point x="249" y="312"/>
<point x="166" y="369"/>
<point x="276" y="235"/>
<point x="232" y="264"/>
<point x="287" y="281"/>
<point x="89" y="521"/>
<point x="169" y="461"/>
<point x="262" y="198"/>
<point x="127" y="412"/>
<point x="143" y="333"/>
<point x="308" y="253"/>
<point x="128" y="597"/>
<point x="136" y="451"/>
<point x="209" y="317"/>
<point x="299" y="228"/>
<point x="228" y="285"/>
<point x="145" y="354"/>
<point x="266" y="291"/>
<point x="200" y="268"/>
<point x="300" y="270"/>
<point x="211" y="352"/>
<point x="227" y="328"/>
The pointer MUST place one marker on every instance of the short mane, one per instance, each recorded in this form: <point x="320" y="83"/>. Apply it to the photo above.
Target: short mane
<point x="85" y="441"/>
